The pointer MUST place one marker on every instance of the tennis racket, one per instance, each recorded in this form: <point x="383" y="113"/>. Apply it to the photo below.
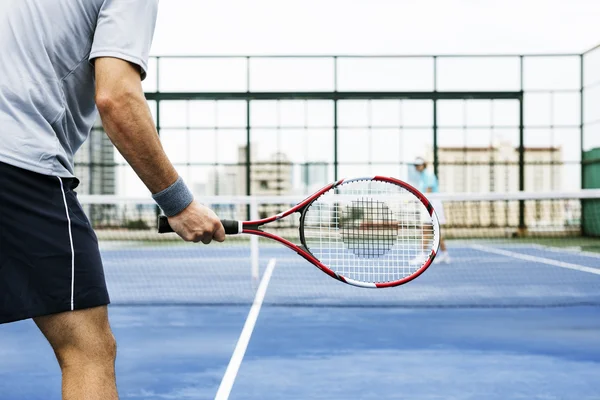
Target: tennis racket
<point x="371" y="232"/>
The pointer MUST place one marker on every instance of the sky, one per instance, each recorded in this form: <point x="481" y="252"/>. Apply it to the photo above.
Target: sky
<point x="375" y="26"/>
<point x="365" y="27"/>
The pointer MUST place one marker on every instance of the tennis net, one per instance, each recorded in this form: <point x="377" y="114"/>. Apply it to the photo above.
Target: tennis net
<point x="506" y="250"/>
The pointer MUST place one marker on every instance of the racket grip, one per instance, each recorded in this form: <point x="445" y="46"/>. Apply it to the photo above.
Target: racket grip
<point x="231" y="227"/>
<point x="163" y="225"/>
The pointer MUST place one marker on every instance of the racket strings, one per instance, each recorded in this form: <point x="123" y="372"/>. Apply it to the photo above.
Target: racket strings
<point x="369" y="231"/>
<point x="368" y="227"/>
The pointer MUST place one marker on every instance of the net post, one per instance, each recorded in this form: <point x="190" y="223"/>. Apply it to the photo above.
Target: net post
<point x="582" y="134"/>
<point x="436" y="160"/>
<point x="522" y="226"/>
<point x="247" y="161"/>
<point x="335" y="119"/>
<point x="157" y="210"/>
<point x="254" y="250"/>
<point x="335" y="140"/>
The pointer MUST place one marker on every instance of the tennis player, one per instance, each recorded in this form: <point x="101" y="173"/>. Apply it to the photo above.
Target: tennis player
<point x="428" y="183"/>
<point x="60" y="62"/>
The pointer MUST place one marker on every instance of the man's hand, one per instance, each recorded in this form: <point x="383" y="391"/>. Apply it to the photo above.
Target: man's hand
<point x="198" y="223"/>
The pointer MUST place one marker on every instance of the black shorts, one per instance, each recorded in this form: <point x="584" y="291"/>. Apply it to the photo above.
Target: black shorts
<point x="49" y="256"/>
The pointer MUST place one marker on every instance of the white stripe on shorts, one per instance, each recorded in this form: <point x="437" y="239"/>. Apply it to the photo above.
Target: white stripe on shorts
<point x="71" y="241"/>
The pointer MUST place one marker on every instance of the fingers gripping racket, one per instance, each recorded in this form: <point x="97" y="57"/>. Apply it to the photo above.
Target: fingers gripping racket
<point x="371" y="232"/>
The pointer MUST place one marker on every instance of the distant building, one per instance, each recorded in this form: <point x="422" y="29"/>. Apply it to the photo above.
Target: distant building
<point x="314" y="176"/>
<point x="96" y="169"/>
<point x="496" y="169"/>
<point x="222" y="181"/>
<point x="272" y="177"/>
<point x="95" y="164"/>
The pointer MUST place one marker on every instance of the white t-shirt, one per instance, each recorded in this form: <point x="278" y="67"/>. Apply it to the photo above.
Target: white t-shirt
<point x="47" y="107"/>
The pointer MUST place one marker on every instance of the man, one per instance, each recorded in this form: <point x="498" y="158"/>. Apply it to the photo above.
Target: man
<point x="427" y="183"/>
<point x="59" y="59"/>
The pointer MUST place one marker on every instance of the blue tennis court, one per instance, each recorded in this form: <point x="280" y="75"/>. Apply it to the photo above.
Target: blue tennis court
<point x="364" y="135"/>
<point x="501" y="321"/>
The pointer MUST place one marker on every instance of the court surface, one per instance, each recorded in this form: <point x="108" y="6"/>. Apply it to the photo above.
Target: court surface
<point x="500" y="321"/>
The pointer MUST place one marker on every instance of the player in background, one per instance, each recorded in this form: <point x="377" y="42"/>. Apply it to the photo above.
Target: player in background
<point x="427" y="182"/>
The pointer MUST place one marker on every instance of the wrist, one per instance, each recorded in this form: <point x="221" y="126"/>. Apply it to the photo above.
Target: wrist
<point x="175" y="198"/>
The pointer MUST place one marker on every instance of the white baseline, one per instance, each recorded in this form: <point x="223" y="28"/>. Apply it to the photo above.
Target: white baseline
<point x="542" y="260"/>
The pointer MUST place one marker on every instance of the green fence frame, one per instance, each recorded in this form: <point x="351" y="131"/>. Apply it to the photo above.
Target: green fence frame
<point x="335" y="96"/>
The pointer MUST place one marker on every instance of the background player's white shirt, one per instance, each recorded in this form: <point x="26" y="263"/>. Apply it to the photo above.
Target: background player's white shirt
<point x="47" y="104"/>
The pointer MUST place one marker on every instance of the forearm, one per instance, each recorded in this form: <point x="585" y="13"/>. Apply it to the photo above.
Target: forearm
<point x="129" y="125"/>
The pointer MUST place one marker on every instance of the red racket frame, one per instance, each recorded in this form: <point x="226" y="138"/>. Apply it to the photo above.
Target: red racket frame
<point x="252" y="228"/>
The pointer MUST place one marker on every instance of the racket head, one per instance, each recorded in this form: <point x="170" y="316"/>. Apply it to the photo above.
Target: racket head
<point x="372" y="232"/>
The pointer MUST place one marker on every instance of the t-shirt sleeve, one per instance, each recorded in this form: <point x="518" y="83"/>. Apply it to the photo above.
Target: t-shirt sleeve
<point x="124" y="30"/>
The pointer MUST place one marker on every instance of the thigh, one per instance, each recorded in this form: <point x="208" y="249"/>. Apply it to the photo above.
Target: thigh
<point x="86" y="331"/>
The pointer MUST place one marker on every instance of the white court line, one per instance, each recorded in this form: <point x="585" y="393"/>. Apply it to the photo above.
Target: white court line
<point x="242" y="344"/>
<point x="542" y="260"/>
<point x="566" y="250"/>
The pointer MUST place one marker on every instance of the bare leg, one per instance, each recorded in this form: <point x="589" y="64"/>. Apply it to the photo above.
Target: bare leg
<point x="442" y="256"/>
<point x="86" y="351"/>
<point x="442" y="244"/>
<point x="428" y="232"/>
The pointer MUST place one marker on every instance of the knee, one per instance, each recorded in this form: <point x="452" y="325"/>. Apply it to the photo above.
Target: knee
<point x="108" y="348"/>
<point x="99" y="349"/>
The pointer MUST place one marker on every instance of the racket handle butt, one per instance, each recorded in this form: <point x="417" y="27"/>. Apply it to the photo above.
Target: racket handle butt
<point x="231" y="227"/>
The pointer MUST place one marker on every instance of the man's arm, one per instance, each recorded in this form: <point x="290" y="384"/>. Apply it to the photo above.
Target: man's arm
<point x="129" y="125"/>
